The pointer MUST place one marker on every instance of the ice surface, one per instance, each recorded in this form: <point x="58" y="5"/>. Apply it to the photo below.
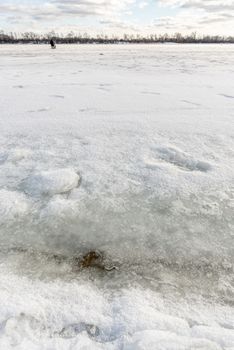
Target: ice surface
<point x="130" y="153"/>
<point x="217" y="334"/>
<point x="165" y="340"/>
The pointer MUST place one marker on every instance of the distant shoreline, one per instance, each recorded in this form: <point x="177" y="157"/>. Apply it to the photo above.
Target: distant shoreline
<point x="118" y="43"/>
<point x="72" y="38"/>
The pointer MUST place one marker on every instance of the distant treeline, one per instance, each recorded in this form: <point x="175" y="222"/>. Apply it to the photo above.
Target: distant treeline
<point x="72" y="38"/>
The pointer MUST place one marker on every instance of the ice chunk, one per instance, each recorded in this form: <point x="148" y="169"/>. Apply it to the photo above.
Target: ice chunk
<point x="51" y="182"/>
<point x="59" y="207"/>
<point x="14" y="155"/>
<point x="18" y="154"/>
<point x="12" y="205"/>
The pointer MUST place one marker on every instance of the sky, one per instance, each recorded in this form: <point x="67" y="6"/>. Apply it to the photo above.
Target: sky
<point x="115" y="17"/>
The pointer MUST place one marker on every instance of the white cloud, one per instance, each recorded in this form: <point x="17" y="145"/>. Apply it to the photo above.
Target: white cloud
<point x="63" y="8"/>
<point x="65" y="14"/>
<point x="143" y="4"/>
<point x="208" y="5"/>
<point x="208" y="16"/>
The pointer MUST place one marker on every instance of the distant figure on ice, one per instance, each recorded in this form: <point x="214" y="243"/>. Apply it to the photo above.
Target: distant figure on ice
<point x="52" y="44"/>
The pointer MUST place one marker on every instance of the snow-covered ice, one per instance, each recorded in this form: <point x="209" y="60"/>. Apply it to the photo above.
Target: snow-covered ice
<point x="129" y="153"/>
<point x="12" y="205"/>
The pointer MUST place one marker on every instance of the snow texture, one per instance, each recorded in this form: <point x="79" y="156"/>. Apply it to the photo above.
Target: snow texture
<point x="12" y="205"/>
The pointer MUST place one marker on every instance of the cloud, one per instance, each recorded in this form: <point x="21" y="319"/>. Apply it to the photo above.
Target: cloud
<point x="91" y="7"/>
<point x="213" y="16"/>
<point x="143" y="4"/>
<point x="64" y="8"/>
<point x="61" y="15"/>
<point x="120" y="25"/>
<point x="207" y="5"/>
<point x="51" y="14"/>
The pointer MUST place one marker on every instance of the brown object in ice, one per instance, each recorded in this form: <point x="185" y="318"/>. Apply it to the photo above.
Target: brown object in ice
<point x="94" y="259"/>
<point x="90" y="259"/>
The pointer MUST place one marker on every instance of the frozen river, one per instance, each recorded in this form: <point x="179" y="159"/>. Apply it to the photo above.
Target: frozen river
<point x="126" y="151"/>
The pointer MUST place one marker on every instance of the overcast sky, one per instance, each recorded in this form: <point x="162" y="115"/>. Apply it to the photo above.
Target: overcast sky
<point x="118" y="16"/>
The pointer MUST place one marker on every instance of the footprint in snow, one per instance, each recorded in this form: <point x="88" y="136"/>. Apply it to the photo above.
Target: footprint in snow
<point x="182" y="160"/>
<point x="18" y="86"/>
<point x="58" y="96"/>
<point x="103" y="88"/>
<point x="150" y="93"/>
<point x="227" y="96"/>
<point x="43" y="109"/>
<point x="40" y="110"/>
<point x="191" y="103"/>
